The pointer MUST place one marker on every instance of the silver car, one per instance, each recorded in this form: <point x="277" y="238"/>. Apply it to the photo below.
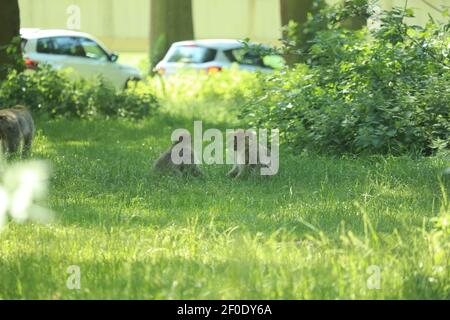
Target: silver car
<point x="87" y="56"/>
<point x="215" y="55"/>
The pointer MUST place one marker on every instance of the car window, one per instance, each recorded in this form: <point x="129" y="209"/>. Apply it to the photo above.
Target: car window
<point x="23" y="44"/>
<point x="192" y="54"/>
<point x="93" y="50"/>
<point x="69" y="46"/>
<point x="61" y="45"/>
<point x="45" y="45"/>
<point x="244" y="56"/>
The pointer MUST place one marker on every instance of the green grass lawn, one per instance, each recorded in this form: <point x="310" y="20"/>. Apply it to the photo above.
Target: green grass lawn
<point x="312" y="232"/>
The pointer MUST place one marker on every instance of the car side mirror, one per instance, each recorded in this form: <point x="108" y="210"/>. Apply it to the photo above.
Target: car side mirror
<point x="113" y="57"/>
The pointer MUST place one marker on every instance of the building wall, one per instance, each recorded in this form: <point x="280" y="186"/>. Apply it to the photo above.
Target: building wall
<point x="238" y="19"/>
<point x="422" y="8"/>
<point x="124" y="24"/>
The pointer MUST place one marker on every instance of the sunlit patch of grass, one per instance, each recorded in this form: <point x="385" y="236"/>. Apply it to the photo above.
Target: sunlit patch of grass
<point x="311" y="232"/>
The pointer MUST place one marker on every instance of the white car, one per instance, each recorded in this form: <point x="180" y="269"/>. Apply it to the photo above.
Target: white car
<point x="81" y="52"/>
<point x="215" y="55"/>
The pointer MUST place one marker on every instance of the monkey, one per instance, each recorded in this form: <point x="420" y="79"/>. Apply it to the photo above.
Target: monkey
<point x="165" y="164"/>
<point x="243" y="167"/>
<point x="16" y="126"/>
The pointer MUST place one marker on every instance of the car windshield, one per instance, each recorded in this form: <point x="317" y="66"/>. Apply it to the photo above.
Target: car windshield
<point x="192" y="54"/>
<point x="93" y="50"/>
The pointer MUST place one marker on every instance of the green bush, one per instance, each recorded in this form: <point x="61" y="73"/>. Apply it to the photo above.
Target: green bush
<point x="55" y="93"/>
<point x="230" y="85"/>
<point x="386" y="91"/>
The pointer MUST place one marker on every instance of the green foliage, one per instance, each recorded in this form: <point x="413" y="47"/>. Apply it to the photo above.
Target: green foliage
<point x="56" y="94"/>
<point x="297" y="39"/>
<point x="380" y="92"/>
<point x="11" y="56"/>
<point x="139" y="235"/>
<point x="297" y="34"/>
<point x="310" y="233"/>
<point x="229" y="85"/>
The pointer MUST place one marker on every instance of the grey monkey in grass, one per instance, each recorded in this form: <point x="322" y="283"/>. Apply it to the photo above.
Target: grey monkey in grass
<point x="16" y="127"/>
<point x="179" y="159"/>
<point x="248" y="155"/>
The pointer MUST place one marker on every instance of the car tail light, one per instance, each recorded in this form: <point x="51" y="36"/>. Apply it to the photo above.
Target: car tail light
<point x="30" y="64"/>
<point x="214" y="69"/>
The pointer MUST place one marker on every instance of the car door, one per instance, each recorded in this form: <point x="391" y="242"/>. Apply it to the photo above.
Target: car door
<point x="97" y="62"/>
<point x="53" y="51"/>
<point x="69" y="54"/>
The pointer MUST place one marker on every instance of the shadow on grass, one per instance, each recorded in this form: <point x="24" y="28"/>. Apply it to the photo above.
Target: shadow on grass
<point x="102" y="177"/>
<point x="159" y="126"/>
<point x="261" y="205"/>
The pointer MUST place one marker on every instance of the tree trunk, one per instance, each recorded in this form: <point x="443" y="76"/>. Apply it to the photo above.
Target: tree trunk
<point x="297" y="11"/>
<point x="359" y="10"/>
<point x="9" y="36"/>
<point x="170" y="21"/>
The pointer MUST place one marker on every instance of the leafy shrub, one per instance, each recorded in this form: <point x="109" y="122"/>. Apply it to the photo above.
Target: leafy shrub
<point x="56" y="94"/>
<point x="387" y="91"/>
